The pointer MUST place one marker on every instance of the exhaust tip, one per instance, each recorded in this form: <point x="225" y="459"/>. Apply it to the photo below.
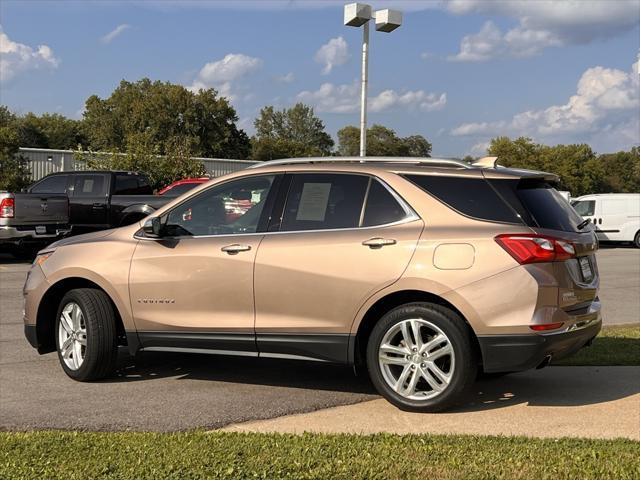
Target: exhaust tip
<point x="545" y="362"/>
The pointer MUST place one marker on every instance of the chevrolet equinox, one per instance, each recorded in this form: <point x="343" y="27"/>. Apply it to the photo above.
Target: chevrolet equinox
<point x="424" y="271"/>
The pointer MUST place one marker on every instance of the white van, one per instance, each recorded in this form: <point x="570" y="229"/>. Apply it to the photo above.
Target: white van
<point x="615" y="215"/>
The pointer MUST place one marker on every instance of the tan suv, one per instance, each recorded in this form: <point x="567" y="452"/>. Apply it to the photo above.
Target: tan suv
<point x="425" y="271"/>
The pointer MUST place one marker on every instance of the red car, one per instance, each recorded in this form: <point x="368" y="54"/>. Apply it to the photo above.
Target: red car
<point x="179" y="187"/>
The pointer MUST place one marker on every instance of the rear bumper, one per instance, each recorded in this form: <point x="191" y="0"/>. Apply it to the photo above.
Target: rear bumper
<point x="18" y="235"/>
<point x="514" y="353"/>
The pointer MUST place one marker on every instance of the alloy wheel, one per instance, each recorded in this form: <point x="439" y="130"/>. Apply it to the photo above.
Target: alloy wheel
<point x="416" y="359"/>
<point x="72" y="336"/>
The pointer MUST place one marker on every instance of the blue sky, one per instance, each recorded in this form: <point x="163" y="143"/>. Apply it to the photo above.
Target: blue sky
<point x="458" y="72"/>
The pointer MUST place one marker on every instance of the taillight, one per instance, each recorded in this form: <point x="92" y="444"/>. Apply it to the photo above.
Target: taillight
<point x="530" y="248"/>
<point x="7" y="208"/>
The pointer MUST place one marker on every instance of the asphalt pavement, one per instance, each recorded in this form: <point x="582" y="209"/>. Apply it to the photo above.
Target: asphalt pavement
<point x="166" y="392"/>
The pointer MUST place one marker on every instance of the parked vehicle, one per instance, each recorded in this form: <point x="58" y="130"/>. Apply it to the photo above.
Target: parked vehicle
<point x="424" y="271"/>
<point x="100" y="200"/>
<point x="29" y="221"/>
<point x="179" y="187"/>
<point x="616" y="216"/>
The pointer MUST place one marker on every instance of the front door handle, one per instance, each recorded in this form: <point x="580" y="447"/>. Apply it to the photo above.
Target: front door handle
<point x="235" y="248"/>
<point x="378" y="242"/>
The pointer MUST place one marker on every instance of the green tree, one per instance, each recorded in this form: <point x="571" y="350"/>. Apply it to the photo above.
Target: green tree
<point x="50" y="131"/>
<point x="162" y="111"/>
<point x="382" y="142"/>
<point x="578" y="167"/>
<point x="289" y="133"/>
<point x="142" y="155"/>
<point x="621" y="171"/>
<point x="14" y="171"/>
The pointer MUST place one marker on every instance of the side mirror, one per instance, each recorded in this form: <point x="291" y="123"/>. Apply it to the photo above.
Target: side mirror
<point x="152" y="227"/>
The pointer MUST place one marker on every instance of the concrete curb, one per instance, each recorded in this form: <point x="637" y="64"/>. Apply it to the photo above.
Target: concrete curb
<point x="592" y="402"/>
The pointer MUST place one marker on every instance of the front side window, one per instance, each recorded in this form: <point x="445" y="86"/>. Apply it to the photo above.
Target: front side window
<point x="324" y="201"/>
<point x="585" y="208"/>
<point x="231" y="208"/>
<point x="89" y="186"/>
<point x="53" y="184"/>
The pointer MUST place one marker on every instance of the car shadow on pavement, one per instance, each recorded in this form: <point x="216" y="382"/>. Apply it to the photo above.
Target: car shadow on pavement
<point x="550" y="387"/>
<point x="555" y="387"/>
<point x="243" y="370"/>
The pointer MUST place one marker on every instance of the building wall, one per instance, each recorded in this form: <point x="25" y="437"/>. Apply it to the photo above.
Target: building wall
<point x="43" y="161"/>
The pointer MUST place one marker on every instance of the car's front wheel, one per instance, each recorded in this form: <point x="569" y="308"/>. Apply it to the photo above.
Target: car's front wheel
<point x="421" y="358"/>
<point x="86" y="334"/>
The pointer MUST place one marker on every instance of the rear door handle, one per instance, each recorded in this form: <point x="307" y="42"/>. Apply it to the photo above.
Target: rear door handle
<point x="378" y="242"/>
<point x="235" y="248"/>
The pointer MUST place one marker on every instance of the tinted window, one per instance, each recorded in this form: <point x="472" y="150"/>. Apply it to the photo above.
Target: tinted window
<point x="53" y="184"/>
<point x="233" y="207"/>
<point x="539" y="204"/>
<point x="324" y="201"/>
<point x="125" y="185"/>
<point x="180" y="189"/>
<point x="473" y="197"/>
<point x="89" y="185"/>
<point x="382" y="207"/>
<point x="585" y="208"/>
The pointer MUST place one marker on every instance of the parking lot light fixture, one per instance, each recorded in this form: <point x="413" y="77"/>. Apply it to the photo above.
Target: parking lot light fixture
<point x="358" y="15"/>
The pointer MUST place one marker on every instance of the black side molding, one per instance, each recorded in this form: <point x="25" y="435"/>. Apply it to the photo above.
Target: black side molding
<point x="332" y="348"/>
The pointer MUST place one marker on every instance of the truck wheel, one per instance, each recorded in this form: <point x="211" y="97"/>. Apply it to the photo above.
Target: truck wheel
<point x="86" y="334"/>
<point x="421" y="357"/>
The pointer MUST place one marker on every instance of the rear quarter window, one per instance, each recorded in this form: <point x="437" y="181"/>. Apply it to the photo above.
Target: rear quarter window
<point x="472" y="197"/>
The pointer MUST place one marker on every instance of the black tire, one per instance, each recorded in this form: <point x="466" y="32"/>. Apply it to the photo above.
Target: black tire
<point x="101" y="351"/>
<point x="636" y="240"/>
<point x="459" y="336"/>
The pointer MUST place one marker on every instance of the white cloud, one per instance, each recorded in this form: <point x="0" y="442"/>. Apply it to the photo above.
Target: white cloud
<point x="412" y="99"/>
<point x="345" y="98"/>
<point x="542" y="24"/>
<point x="16" y="58"/>
<point x="287" y="78"/>
<point x="332" y="54"/>
<point x="604" y="109"/>
<point x="108" y="38"/>
<point x="222" y="73"/>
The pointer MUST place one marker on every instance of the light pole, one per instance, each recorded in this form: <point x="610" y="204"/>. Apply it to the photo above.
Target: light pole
<point x="358" y="15"/>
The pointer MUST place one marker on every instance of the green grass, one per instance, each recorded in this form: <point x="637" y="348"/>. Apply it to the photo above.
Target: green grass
<point x="50" y="455"/>
<point x="615" y="345"/>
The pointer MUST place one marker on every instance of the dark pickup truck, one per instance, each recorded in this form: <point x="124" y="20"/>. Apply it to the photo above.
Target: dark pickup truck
<point x="74" y="202"/>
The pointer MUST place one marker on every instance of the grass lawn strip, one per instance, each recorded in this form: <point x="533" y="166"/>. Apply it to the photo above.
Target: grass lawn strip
<point x="615" y="345"/>
<point x="74" y="455"/>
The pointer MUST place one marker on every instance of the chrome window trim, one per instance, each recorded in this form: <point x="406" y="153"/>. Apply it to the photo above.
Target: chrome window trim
<point x="410" y="214"/>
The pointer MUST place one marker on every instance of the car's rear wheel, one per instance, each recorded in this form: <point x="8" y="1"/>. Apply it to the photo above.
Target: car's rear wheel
<point x="421" y="358"/>
<point x="86" y="334"/>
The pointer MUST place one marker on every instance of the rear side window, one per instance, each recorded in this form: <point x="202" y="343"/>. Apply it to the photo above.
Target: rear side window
<point x="131" y="185"/>
<point x="89" y="186"/>
<point x="473" y="197"/>
<point x="382" y="207"/>
<point x="539" y="204"/>
<point x="585" y="208"/>
<point x="53" y="184"/>
<point x="324" y="201"/>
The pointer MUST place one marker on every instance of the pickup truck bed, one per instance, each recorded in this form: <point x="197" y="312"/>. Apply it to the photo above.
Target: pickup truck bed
<point x="28" y="219"/>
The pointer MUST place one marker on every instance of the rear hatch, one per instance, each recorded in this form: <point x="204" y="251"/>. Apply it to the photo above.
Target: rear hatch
<point x="33" y="209"/>
<point x="548" y="213"/>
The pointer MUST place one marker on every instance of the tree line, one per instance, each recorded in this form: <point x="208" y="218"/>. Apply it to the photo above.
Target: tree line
<point x="158" y="127"/>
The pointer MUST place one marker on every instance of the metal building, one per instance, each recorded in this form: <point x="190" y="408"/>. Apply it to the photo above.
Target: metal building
<point x="43" y="161"/>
